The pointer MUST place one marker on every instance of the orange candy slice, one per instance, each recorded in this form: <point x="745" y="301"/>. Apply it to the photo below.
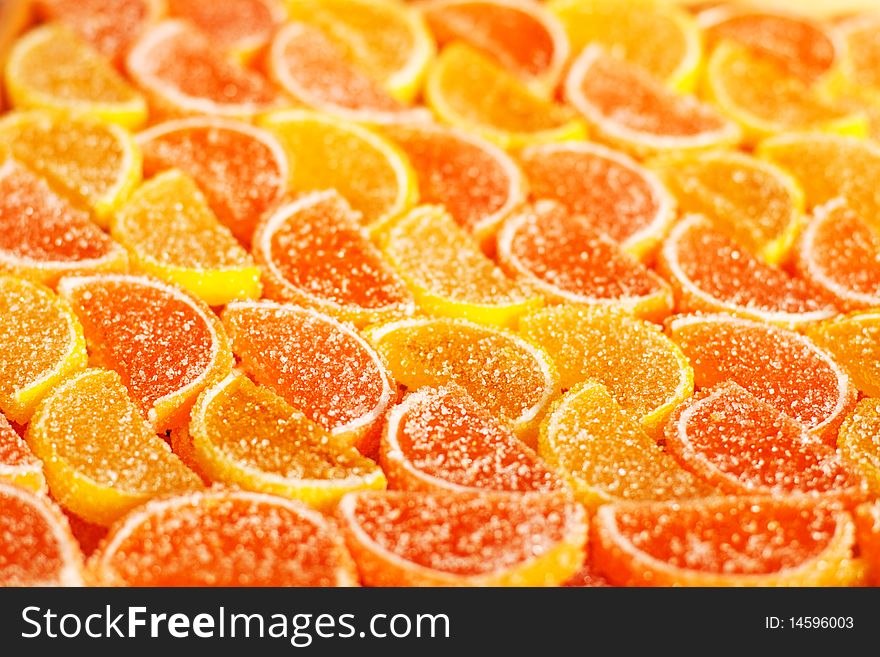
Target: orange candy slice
<point x="606" y="455"/>
<point x="447" y="272"/>
<point x="645" y="372"/>
<point x="42" y="344"/>
<point x="854" y="341"/>
<point x="523" y="37"/>
<point x="320" y="366"/>
<point x="711" y="272"/>
<point x="315" y="70"/>
<point x="315" y="252"/>
<point x="859" y="440"/>
<point x="250" y="437"/>
<point x="18" y="465"/>
<point x="630" y="109"/>
<point x="781" y="368"/>
<point x="224" y="538"/>
<point x="440" y="439"/>
<point x="616" y="194"/>
<point x="477" y="182"/>
<point x="724" y="542"/>
<point x="730" y="438"/>
<point x="37" y="547"/>
<point x="162" y="62"/>
<point x="488" y="539"/>
<point x="840" y="254"/>
<point x="101" y="457"/>
<point x="568" y="260"/>
<point x="242" y="170"/>
<point x="171" y="232"/>
<point x="868" y="528"/>
<point x="165" y="345"/>
<point x="511" y="378"/>
<point x="43" y="237"/>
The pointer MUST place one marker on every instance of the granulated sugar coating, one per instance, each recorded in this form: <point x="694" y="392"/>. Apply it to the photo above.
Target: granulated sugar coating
<point x="644" y="371"/>
<point x="780" y="367"/>
<point x="441" y="439"/>
<point x="240" y="26"/>
<point x="404" y="538"/>
<point x="181" y="73"/>
<point x="164" y="344"/>
<point x="224" y="539"/>
<point x="95" y="164"/>
<point x="245" y="435"/>
<point x="42" y="236"/>
<point x="100" y="455"/>
<point x="724" y="542"/>
<point x="733" y="440"/>
<point x="36" y="547"/>
<point x="606" y="455"/>
<point x="321" y="367"/>
<point x="477" y="182"/>
<point x="511" y="378"/>
<point x="314" y="251"/>
<point x="859" y="440"/>
<point x="447" y="272"/>
<point x="241" y="170"/>
<point x="711" y="272"/>
<point x="566" y="258"/>
<point x="854" y="341"/>
<point x="42" y="343"/>
<point x="614" y="193"/>
<point x="18" y="465"/>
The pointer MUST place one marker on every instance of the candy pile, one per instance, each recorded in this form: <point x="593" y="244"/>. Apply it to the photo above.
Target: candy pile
<point x="456" y="292"/>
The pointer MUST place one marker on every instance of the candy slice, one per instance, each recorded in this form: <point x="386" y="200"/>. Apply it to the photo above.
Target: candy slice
<point x="657" y="36"/>
<point x="854" y="341"/>
<point x="239" y="27"/>
<point x="52" y="68"/>
<point x="868" y="531"/>
<point x="711" y="272"/>
<point x="756" y="203"/>
<point x="164" y="344"/>
<point x="781" y="368"/>
<point x="100" y="455"/>
<point x="315" y="252"/>
<point x="724" y="542"/>
<point x="469" y="90"/>
<point x="512" y="379"/>
<point x="801" y="46"/>
<point x="859" y="440"/>
<point x="448" y="273"/>
<point x="386" y="39"/>
<point x="87" y="534"/>
<point x="18" y="465"/>
<point x="606" y="455"/>
<point x="765" y="99"/>
<point x="632" y="110"/>
<point x="564" y="257"/>
<point x="644" y="371"/>
<point x="440" y="439"/>
<point x="314" y="70"/>
<point x="242" y="170"/>
<point x="830" y="167"/>
<point x="523" y="37"/>
<point x="860" y="50"/>
<point x="161" y="64"/>
<point x="618" y="196"/>
<point x="477" y="182"/>
<point x="224" y="538"/>
<point x="111" y="27"/>
<point x="42" y="344"/>
<point x="171" y="232"/>
<point x="320" y="366"/>
<point x="43" y="237"/>
<point x="840" y="254"/>
<point x="37" y="547"/>
<point x="326" y="153"/>
<point x="731" y="439"/>
<point x="464" y="539"/>
<point x="95" y="164"/>
<point x="249" y="437"/>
